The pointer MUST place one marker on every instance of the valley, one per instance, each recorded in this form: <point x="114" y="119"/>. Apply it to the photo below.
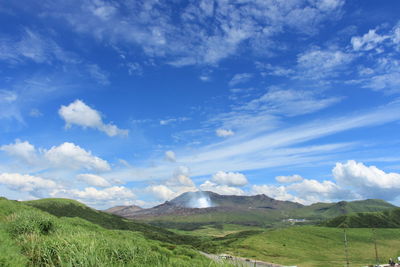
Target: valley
<point x="59" y="232"/>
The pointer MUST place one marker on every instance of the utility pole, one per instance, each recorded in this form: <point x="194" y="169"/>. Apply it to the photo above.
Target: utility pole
<point x="346" y="251"/>
<point x="376" y="247"/>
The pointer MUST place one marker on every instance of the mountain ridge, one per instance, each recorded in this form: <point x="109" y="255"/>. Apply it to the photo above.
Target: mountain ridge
<point x="259" y="210"/>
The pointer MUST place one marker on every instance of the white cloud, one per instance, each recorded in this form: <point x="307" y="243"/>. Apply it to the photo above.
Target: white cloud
<point x="384" y="76"/>
<point x="170" y="156"/>
<point x="8" y="106"/>
<point x="173" y="120"/>
<point x="35" y="47"/>
<point x="24" y="182"/>
<point x="23" y="150"/>
<point x="81" y="114"/>
<point x="224" y="132"/>
<point x="396" y="34"/>
<point x="314" y="191"/>
<point x="69" y="155"/>
<point x="206" y="32"/>
<point x="161" y="192"/>
<point x="93" y="194"/>
<point x="240" y="78"/>
<point x="93" y="179"/>
<point x="368" y="41"/>
<point x="318" y="64"/>
<point x="221" y="189"/>
<point x="289" y="179"/>
<point x="289" y="102"/>
<point x="368" y="181"/>
<point x="99" y="75"/>
<point x="181" y="177"/>
<point x="276" y="192"/>
<point x="179" y="183"/>
<point x="35" y="113"/>
<point x="229" y="178"/>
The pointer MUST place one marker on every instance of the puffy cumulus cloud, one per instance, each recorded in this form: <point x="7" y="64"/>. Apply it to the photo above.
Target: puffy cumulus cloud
<point x="224" y="132"/>
<point x="25" y="182"/>
<point x="276" y="192"/>
<point x="310" y="191"/>
<point x="69" y="155"/>
<point x="93" y="179"/>
<point x="289" y="179"/>
<point x="170" y="156"/>
<point x="79" y="113"/>
<point x="368" y="41"/>
<point x="229" y="178"/>
<point x="23" y="150"/>
<point x="181" y="177"/>
<point x="368" y="181"/>
<point x="93" y="194"/>
<point x="179" y="183"/>
<point x="221" y="189"/>
<point x="161" y="192"/>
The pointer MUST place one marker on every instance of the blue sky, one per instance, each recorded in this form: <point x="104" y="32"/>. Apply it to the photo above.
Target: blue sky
<point x="136" y="102"/>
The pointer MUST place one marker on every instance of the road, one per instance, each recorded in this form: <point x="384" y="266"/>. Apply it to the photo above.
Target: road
<point x="239" y="261"/>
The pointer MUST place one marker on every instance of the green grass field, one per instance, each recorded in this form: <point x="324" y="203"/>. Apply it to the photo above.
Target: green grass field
<point x="310" y="246"/>
<point x="31" y="237"/>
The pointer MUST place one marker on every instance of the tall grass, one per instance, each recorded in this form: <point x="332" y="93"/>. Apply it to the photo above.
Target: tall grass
<point x="30" y="237"/>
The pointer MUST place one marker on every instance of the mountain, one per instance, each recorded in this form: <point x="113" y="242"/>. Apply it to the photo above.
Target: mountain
<point x="382" y="219"/>
<point x="123" y="210"/>
<point x="193" y="210"/>
<point x="204" y="202"/>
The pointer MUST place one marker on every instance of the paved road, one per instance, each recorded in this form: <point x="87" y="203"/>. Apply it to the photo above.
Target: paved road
<point x="242" y="262"/>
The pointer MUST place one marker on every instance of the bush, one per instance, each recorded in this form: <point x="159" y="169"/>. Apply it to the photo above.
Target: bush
<point x="30" y="222"/>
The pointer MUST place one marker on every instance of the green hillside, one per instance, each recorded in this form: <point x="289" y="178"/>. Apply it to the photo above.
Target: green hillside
<point x="383" y="219"/>
<point x="329" y="210"/>
<point x="72" y="208"/>
<point x="311" y="246"/>
<point x="32" y="237"/>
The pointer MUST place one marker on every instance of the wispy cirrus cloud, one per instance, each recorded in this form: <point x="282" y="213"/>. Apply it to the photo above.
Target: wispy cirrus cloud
<point x="204" y="32"/>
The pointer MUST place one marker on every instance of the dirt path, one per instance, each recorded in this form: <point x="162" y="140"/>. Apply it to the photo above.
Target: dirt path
<point x="239" y="261"/>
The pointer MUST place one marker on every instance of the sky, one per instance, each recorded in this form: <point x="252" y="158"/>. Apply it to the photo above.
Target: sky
<point x="135" y="102"/>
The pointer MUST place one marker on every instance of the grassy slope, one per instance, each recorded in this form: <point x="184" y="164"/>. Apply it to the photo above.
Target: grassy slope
<point x="383" y="219"/>
<point x="71" y="208"/>
<point x="315" y="246"/>
<point x="32" y="237"/>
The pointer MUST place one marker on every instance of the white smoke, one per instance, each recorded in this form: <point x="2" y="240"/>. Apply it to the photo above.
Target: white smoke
<point x="200" y="200"/>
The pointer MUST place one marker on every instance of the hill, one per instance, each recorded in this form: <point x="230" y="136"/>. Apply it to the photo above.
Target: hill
<point x="71" y="208"/>
<point x="123" y="210"/>
<point x="260" y="210"/>
<point x="383" y="219"/>
<point x="31" y="237"/>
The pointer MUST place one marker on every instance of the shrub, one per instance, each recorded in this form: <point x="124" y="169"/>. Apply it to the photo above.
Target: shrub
<point x="30" y="222"/>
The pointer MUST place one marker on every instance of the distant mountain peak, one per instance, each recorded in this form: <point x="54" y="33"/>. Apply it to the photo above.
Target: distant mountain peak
<point x="123" y="210"/>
